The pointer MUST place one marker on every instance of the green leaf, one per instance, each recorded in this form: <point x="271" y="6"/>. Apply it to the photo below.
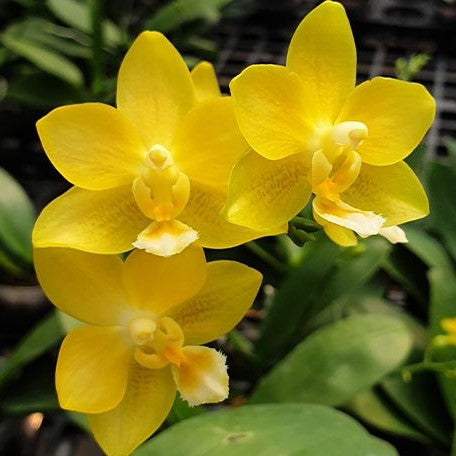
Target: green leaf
<point x="77" y="14"/>
<point x="376" y="305"/>
<point x="417" y="160"/>
<point x="326" y="273"/>
<point x="17" y="217"/>
<point x="288" y="307"/>
<point x="421" y="402"/>
<point x="48" y="35"/>
<point x="338" y="361"/>
<point x="443" y="297"/>
<point x="179" y="12"/>
<point x="34" y="392"/>
<point x="427" y="248"/>
<point x="375" y="411"/>
<point x="15" y="39"/>
<point x="450" y="144"/>
<point x="442" y="194"/>
<point x="354" y="268"/>
<point x="30" y="88"/>
<point x="35" y="398"/>
<point x="182" y="411"/>
<point x="8" y="265"/>
<point x="45" y="335"/>
<point x="268" y="430"/>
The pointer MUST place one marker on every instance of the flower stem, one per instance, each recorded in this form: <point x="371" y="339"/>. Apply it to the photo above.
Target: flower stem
<point x="96" y="17"/>
<point x="447" y="367"/>
<point x="266" y="257"/>
<point x="241" y="344"/>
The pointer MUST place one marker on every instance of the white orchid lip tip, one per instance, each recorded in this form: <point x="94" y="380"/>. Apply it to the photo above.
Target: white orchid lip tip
<point x="394" y="234"/>
<point x="203" y="377"/>
<point x="166" y="238"/>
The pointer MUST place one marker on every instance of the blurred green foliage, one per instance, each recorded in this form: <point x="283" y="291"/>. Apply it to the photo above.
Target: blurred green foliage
<point x="407" y="69"/>
<point x="17" y="216"/>
<point x="56" y="52"/>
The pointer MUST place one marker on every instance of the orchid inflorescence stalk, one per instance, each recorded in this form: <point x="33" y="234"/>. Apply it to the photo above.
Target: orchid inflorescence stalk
<point x="177" y="167"/>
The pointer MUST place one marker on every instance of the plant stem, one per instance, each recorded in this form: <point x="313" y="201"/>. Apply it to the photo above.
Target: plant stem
<point x="266" y="257"/>
<point x="241" y="344"/>
<point x="446" y="367"/>
<point x="96" y="16"/>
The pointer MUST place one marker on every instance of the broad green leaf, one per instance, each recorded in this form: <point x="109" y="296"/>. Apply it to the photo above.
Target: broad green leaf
<point x="420" y="400"/>
<point x="17" y="217"/>
<point x="77" y="14"/>
<point x="178" y="12"/>
<point x="427" y="248"/>
<point x="45" y="58"/>
<point x="45" y="335"/>
<point x="442" y="195"/>
<point x="294" y="298"/>
<point x="338" y="361"/>
<point x="354" y="268"/>
<point x="443" y="297"/>
<point x="365" y="303"/>
<point x="268" y="430"/>
<point x="326" y="273"/>
<point x="375" y="411"/>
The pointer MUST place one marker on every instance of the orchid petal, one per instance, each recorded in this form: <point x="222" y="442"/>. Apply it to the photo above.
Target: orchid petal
<point x="154" y="88"/>
<point x="92" y="145"/>
<point x="105" y="221"/>
<point x="92" y="369"/>
<point x="322" y="52"/>
<point x="221" y="303"/>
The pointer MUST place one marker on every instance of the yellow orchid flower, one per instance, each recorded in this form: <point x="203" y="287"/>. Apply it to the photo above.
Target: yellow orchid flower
<point x="151" y="174"/>
<point x="145" y="319"/>
<point x="313" y="131"/>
